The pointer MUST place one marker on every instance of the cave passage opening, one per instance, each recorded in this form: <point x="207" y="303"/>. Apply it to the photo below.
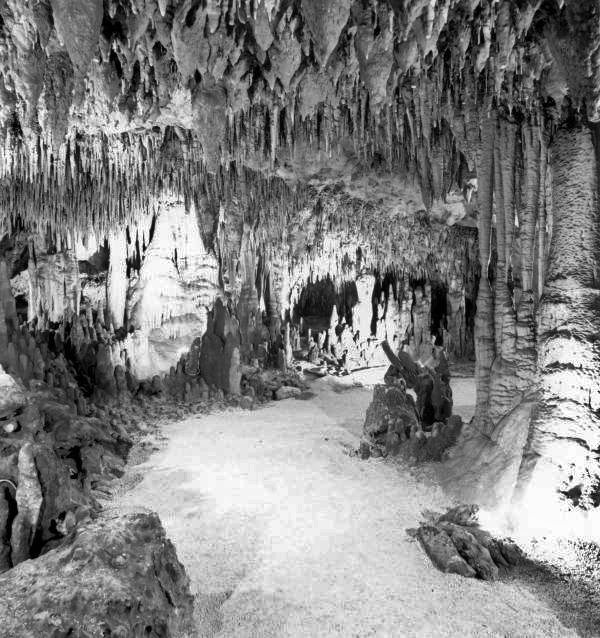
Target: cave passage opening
<point x="319" y="298"/>
<point x="439" y="310"/>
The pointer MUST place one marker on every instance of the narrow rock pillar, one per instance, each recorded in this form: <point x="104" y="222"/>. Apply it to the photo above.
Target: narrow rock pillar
<point x="116" y="281"/>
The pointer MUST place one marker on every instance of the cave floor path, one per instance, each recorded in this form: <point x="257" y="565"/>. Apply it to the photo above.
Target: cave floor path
<point x="284" y="533"/>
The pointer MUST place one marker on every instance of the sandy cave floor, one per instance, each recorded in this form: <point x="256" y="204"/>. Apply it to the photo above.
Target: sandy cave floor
<point x="284" y="533"/>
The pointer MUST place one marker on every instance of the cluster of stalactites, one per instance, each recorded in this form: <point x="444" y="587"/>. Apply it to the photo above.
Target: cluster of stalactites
<point x="418" y="251"/>
<point x="92" y="190"/>
<point x="348" y="235"/>
<point x="402" y="89"/>
<point x="144" y="61"/>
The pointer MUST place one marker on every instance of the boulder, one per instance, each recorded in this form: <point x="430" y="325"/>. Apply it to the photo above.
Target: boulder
<point x="457" y="533"/>
<point x="462" y="515"/>
<point x="442" y="551"/>
<point x="471" y="550"/>
<point x="61" y="492"/>
<point x="116" y="576"/>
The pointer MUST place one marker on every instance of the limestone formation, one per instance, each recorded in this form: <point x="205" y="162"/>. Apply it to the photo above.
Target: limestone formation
<point x="117" y="575"/>
<point x="29" y="503"/>
<point x="219" y="362"/>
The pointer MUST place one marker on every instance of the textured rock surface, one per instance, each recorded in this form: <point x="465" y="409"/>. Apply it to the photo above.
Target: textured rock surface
<point x="457" y="545"/>
<point x="442" y="551"/>
<point x="153" y="88"/>
<point x="391" y="410"/>
<point x="117" y="575"/>
<point x="29" y="504"/>
<point x="220" y="363"/>
<point x="565" y="424"/>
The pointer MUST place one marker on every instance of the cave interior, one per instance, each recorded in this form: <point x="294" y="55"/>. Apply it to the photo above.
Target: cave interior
<point x="225" y="201"/>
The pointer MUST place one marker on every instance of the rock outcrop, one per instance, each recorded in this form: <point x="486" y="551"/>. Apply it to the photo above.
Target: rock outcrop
<point x="117" y="575"/>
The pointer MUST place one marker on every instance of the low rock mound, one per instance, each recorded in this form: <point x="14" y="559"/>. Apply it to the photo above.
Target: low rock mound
<point x="457" y="545"/>
<point x="117" y="576"/>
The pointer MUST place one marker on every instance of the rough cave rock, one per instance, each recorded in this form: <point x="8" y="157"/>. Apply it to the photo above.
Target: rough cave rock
<point x="116" y="576"/>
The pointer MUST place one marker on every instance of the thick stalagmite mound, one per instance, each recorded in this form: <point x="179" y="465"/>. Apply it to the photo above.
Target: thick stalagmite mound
<point x="115" y="576"/>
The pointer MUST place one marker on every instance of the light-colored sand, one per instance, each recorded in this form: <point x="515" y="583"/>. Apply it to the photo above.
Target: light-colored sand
<point x="283" y="533"/>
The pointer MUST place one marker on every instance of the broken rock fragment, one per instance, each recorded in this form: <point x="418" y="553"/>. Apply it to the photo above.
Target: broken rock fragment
<point x="442" y="551"/>
<point x="456" y="544"/>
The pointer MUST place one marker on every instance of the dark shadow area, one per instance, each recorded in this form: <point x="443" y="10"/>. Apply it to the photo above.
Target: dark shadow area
<point x="439" y="305"/>
<point x="573" y="595"/>
<point x="22" y="307"/>
<point x="318" y="299"/>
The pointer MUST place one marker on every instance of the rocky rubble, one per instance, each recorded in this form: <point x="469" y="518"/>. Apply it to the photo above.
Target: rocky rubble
<point x="262" y="385"/>
<point x="117" y="575"/>
<point x="456" y="544"/>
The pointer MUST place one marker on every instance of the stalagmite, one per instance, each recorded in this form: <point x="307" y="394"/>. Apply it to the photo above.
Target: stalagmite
<point x="116" y="280"/>
<point x="29" y="503"/>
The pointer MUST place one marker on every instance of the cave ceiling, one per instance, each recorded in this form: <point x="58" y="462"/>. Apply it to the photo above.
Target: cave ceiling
<point x="107" y="105"/>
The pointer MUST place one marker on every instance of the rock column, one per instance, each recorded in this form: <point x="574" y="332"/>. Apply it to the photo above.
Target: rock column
<point x="116" y="281"/>
<point x="561" y="461"/>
